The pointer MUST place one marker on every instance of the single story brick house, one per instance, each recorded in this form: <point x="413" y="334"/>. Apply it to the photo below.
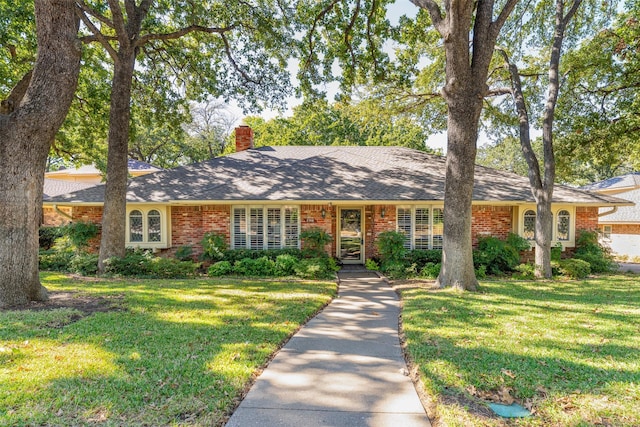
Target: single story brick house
<point x="620" y="226"/>
<point x="262" y="198"/>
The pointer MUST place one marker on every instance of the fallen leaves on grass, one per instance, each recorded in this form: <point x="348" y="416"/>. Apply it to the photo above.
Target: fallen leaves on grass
<point x="502" y="395"/>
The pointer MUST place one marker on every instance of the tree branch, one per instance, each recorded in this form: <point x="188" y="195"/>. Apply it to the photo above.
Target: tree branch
<point x="184" y="31"/>
<point x="435" y="13"/>
<point x="499" y="91"/>
<point x="316" y="20"/>
<point x="372" y="50"/>
<point x="17" y="93"/>
<point x="502" y="17"/>
<point x="234" y="64"/>
<point x="86" y="9"/>
<point x="572" y="11"/>
<point x="347" y="32"/>
<point x="97" y="35"/>
<point x="535" y="177"/>
<point x="118" y="21"/>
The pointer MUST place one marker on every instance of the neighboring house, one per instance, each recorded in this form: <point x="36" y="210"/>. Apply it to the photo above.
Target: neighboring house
<point x="54" y="215"/>
<point x="263" y="198"/>
<point x="620" y="226"/>
<point x="65" y="181"/>
<point x="91" y="174"/>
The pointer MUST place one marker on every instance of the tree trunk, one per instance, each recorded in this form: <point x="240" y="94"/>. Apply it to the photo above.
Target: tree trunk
<point x="26" y="134"/>
<point x="462" y="131"/>
<point x="112" y="241"/>
<point x="544" y="229"/>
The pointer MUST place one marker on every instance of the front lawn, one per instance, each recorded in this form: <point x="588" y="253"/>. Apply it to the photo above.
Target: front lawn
<point x="570" y="351"/>
<point x="170" y="353"/>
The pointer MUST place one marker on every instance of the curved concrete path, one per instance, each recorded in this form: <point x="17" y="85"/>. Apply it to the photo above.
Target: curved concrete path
<point x="343" y="368"/>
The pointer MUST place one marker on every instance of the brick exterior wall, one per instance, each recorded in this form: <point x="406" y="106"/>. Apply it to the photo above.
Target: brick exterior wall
<point x="51" y="218"/>
<point x="89" y="214"/>
<point x="311" y="216"/>
<point x="189" y="223"/>
<point x="625" y="228"/>
<point x="496" y="221"/>
<point x="376" y="224"/>
<point x="586" y="218"/>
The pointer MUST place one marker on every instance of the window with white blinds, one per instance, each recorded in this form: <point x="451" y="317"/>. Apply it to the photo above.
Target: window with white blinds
<point x="422" y="227"/>
<point x="404" y="225"/>
<point x="260" y="227"/>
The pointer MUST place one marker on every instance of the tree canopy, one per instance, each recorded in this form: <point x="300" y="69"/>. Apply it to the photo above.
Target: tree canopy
<point x="317" y="122"/>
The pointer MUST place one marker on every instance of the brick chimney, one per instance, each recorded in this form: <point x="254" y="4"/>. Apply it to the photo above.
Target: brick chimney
<point x="244" y="138"/>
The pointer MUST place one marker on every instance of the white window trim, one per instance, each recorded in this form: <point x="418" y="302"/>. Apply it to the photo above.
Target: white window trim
<point x="265" y="224"/>
<point x="145" y="244"/>
<point x="554" y="233"/>
<point x="412" y="208"/>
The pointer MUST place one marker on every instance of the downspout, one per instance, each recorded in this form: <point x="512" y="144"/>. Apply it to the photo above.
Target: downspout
<point x="64" y="214"/>
<point x="612" y="211"/>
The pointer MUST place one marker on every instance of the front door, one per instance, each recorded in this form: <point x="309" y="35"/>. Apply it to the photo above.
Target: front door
<point x="351" y="238"/>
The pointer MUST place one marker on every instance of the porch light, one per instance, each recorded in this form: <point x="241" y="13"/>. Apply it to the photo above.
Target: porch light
<point x="323" y="212"/>
<point x="382" y="212"/>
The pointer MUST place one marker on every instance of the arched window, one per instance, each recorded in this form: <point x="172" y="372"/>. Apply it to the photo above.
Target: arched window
<point x="154" y="226"/>
<point x="563" y="225"/>
<point x="135" y="226"/>
<point x="529" y="225"/>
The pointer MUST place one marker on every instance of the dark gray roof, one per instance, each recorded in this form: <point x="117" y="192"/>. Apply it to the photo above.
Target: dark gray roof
<point x="630" y="180"/>
<point x="57" y="187"/>
<point x="624" y="214"/>
<point x="327" y="173"/>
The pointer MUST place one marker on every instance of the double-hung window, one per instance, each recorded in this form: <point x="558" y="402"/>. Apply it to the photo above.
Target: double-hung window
<point x="265" y="227"/>
<point x="422" y="226"/>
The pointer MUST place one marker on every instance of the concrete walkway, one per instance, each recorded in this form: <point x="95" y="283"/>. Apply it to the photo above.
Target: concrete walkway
<point x="343" y="368"/>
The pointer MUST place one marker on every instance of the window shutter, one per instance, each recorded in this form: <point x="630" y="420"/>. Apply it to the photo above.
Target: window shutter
<point x="239" y="228"/>
<point x="404" y="225"/>
<point x="291" y="228"/>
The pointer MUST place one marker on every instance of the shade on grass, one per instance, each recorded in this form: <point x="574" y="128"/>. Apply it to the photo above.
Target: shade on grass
<point x="568" y="350"/>
<point x="174" y="352"/>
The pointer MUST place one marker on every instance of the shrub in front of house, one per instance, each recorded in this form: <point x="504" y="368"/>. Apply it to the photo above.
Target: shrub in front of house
<point x="499" y="256"/>
<point x="286" y="265"/>
<point x="574" y="268"/>
<point x="316" y="268"/>
<point x="314" y="239"/>
<point x="214" y="246"/>
<point x="430" y="270"/>
<point x="64" y="248"/>
<point x="589" y="249"/>
<point x="233" y="255"/>
<point x="84" y="263"/>
<point x="142" y="264"/>
<point x="421" y="257"/>
<point x="220" y="268"/>
<point x="258" y="267"/>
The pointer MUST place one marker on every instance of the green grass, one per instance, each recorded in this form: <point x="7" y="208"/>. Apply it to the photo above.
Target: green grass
<point x="176" y="352"/>
<point x="569" y="350"/>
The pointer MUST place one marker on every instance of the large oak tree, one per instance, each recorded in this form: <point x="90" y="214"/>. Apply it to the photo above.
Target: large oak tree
<point x="233" y="48"/>
<point x="29" y="120"/>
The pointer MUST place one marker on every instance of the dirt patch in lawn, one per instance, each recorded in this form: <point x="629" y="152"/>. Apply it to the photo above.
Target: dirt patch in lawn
<point x="88" y="304"/>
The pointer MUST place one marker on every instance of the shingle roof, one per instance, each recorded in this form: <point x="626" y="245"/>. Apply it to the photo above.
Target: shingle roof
<point x="57" y="187"/>
<point x="624" y="214"/>
<point x="132" y="165"/>
<point x="630" y="180"/>
<point x="327" y="173"/>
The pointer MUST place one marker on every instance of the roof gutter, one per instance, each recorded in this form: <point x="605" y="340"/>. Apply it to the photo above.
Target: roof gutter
<point x="59" y="212"/>
<point x="612" y="211"/>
